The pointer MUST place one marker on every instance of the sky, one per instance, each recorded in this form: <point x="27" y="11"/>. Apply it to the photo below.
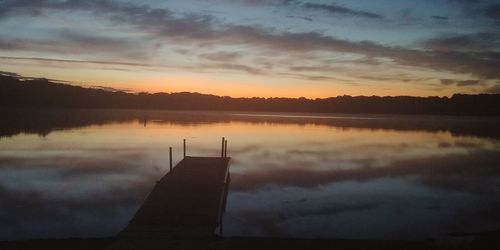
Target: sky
<point x="265" y="48"/>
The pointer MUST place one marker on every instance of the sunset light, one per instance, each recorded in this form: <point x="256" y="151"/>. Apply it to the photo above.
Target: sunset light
<point x="250" y="124"/>
<point x="257" y="48"/>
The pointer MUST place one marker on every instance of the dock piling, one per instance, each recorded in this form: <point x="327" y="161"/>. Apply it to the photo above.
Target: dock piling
<point x="184" y="146"/>
<point x="222" y="149"/>
<point x="170" y="154"/>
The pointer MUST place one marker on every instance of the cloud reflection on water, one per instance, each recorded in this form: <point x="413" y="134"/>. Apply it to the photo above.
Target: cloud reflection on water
<point x="288" y="179"/>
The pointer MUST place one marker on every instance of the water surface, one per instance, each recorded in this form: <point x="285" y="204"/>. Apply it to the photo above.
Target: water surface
<point x="84" y="174"/>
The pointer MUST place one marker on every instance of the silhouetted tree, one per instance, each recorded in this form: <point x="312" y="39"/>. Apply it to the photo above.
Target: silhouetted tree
<point x="15" y="92"/>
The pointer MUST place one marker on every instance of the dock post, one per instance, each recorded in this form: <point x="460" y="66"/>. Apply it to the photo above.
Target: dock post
<point x="170" y="153"/>
<point x="184" y="148"/>
<point x="222" y="149"/>
<point x="225" y="148"/>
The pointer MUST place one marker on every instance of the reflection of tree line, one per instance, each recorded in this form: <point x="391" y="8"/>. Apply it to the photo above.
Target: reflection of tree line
<point x="21" y="99"/>
<point x="43" y="93"/>
<point x="43" y="121"/>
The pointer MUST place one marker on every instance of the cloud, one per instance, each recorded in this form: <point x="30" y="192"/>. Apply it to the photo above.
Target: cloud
<point x="447" y="81"/>
<point x="482" y="64"/>
<point x="221" y="56"/>
<point x="87" y="39"/>
<point x="336" y="9"/>
<point x="495" y="89"/>
<point x="11" y="8"/>
<point x="202" y="31"/>
<point x="193" y="68"/>
<point x="110" y="89"/>
<point x="493" y="12"/>
<point x="256" y="2"/>
<point x="469" y="83"/>
<point x="301" y="17"/>
<point x="76" y="61"/>
<point x="464" y="42"/>
<point x="327" y="8"/>
<point x="461" y="83"/>
<point x="440" y="17"/>
<point x="484" y="10"/>
<point x="225" y="66"/>
<point x="11" y="74"/>
<point x="76" y="43"/>
<point x="475" y="171"/>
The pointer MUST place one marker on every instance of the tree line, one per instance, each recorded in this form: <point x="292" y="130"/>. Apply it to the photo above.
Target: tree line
<point x="42" y="93"/>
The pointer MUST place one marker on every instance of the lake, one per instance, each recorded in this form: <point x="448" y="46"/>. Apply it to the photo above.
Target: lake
<point x="84" y="173"/>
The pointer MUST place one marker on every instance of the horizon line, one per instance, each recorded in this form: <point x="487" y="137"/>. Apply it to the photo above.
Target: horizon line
<point x="129" y="91"/>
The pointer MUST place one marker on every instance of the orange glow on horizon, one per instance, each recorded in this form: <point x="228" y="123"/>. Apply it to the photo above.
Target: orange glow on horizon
<point x="233" y="85"/>
<point x="236" y="88"/>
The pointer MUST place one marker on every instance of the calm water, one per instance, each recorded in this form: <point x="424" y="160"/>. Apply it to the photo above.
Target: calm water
<point x="84" y="174"/>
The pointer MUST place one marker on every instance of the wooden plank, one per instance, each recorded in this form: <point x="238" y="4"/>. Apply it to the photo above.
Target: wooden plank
<point x="186" y="203"/>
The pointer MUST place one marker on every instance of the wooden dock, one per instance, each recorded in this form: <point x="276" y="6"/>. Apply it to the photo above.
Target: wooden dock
<point x="187" y="203"/>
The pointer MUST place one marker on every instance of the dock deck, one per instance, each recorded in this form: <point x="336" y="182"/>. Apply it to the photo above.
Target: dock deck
<point x="187" y="202"/>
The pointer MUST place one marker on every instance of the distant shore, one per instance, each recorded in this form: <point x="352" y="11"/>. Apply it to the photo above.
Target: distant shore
<point x="42" y="93"/>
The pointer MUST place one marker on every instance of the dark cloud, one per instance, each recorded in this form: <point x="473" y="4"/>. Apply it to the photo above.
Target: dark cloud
<point x="9" y="44"/>
<point x="445" y="145"/>
<point x="336" y="9"/>
<point x="401" y="78"/>
<point x="221" y="56"/>
<point x="196" y="68"/>
<point x="440" y="17"/>
<point x="330" y="8"/>
<point x="256" y="2"/>
<point x="461" y="83"/>
<point x="447" y="81"/>
<point x="10" y="8"/>
<point x="38" y="8"/>
<point x="468" y="83"/>
<point x="76" y="61"/>
<point x="483" y="64"/>
<point x="484" y="10"/>
<point x="110" y="89"/>
<point x="222" y="66"/>
<point x="480" y="64"/>
<point x="301" y="17"/>
<point x="11" y="74"/>
<point x="88" y="39"/>
<point x="464" y="42"/>
<point x="465" y="2"/>
<point x="495" y="89"/>
<point x="316" y="77"/>
<point x="493" y="12"/>
<point x="238" y="67"/>
<point x="77" y="43"/>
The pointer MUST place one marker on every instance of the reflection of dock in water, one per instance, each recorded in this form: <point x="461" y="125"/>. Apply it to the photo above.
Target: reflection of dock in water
<point x="188" y="202"/>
